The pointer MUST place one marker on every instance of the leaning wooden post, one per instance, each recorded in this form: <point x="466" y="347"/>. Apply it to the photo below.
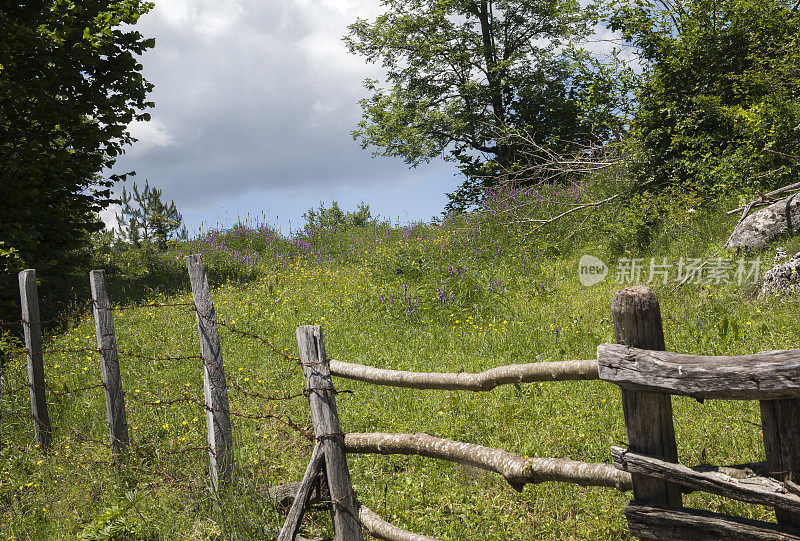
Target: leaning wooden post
<point x="648" y="416"/>
<point x="780" y="425"/>
<point x="298" y="508"/>
<point x="218" y="421"/>
<point x="319" y="388"/>
<point x="109" y="365"/>
<point x="29" y="295"/>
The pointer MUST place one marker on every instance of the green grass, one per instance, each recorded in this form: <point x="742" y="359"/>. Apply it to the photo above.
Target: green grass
<point x="344" y="280"/>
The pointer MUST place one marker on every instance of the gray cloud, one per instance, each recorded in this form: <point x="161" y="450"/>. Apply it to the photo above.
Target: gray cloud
<point x="259" y="97"/>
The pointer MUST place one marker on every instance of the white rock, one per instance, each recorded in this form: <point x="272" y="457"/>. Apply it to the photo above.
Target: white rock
<point x="759" y="228"/>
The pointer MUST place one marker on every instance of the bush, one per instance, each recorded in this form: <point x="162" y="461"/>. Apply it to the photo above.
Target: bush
<point x="334" y="217"/>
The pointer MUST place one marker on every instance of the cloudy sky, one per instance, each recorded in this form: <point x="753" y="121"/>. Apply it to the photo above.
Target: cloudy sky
<point x="255" y="101"/>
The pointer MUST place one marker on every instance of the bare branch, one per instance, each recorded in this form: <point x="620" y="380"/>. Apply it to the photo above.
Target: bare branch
<point x="465" y="381"/>
<point x="380" y="529"/>
<point x="782" y="155"/>
<point x="515" y="469"/>
<point x="765" y="199"/>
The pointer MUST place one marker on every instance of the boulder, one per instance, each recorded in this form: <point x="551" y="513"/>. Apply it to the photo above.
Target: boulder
<point x="755" y="231"/>
<point x="783" y="279"/>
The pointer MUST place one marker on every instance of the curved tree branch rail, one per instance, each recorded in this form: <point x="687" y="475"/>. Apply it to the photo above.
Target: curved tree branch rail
<point x="465" y="381"/>
<point x="516" y="470"/>
<point x="379" y="528"/>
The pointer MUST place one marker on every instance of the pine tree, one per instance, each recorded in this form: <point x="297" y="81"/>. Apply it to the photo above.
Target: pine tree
<point x="146" y="219"/>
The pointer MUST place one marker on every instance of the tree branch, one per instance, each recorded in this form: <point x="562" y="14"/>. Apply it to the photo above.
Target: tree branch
<point x="516" y="470"/>
<point x="465" y="381"/>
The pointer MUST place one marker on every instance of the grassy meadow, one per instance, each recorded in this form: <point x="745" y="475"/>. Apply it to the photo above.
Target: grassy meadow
<point x="467" y="293"/>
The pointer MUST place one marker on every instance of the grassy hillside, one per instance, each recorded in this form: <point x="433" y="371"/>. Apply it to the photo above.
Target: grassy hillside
<point x="468" y="294"/>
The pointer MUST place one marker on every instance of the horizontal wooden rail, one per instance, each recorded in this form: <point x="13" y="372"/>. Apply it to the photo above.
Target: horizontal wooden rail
<point x="465" y="381"/>
<point x="380" y="529"/>
<point x="516" y="470"/>
<point x="768" y="375"/>
<point x="755" y="489"/>
<point x="665" y="523"/>
<point x="283" y="495"/>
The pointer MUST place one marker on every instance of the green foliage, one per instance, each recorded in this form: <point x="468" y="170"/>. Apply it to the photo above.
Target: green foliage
<point x="334" y="217"/>
<point x="10" y="264"/>
<point x="10" y="261"/>
<point x="460" y="72"/>
<point x="647" y="218"/>
<point x="721" y="91"/>
<point x="146" y="219"/>
<point x="109" y="523"/>
<point x="70" y="84"/>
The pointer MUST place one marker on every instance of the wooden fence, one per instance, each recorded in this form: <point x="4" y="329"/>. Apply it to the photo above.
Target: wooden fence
<point x="220" y="437"/>
<point x="638" y="364"/>
<point x="647" y="376"/>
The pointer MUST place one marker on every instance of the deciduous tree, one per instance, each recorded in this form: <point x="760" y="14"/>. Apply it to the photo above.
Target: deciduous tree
<point x="458" y="70"/>
<point x="70" y="84"/>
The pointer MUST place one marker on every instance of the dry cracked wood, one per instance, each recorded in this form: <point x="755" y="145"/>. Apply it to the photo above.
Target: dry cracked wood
<point x="649" y="428"/>
<point x="767" y="375"/>
<point x="109" y="364"/>
<point x="465" y="381"/>
<point x="302" y="495"/>
<point x="515" y="469"/>
<point x="755" y="489"/>
<point x="665" y="523"/>
<point x="29" y="298"/>
<point x="322" y="403"/>
<point x="218" y="420"/>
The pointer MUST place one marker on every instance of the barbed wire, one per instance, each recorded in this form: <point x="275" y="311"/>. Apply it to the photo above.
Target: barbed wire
<point x="138" y="306"/>
<point x="247" y="334"/>
<point x="87" y="306"/>
<point x="74" y="314"/>
<point x="143" y="451"/>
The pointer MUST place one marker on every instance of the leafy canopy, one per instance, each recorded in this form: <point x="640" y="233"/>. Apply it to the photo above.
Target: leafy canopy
<point x="719" y="112"/>
<point x="70" y="83"/>
<point x="459" y="72"/>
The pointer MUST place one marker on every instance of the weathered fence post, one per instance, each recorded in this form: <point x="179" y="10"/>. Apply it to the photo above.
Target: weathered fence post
<point x="319" y="387"/>
<point x="32" y="327"/>
<point x="109" y="365"/>
<point x="218" y="421"/>
<point x="648" y="416"/>
<point x="780" y="425"/>
<point x="298" y="508"/>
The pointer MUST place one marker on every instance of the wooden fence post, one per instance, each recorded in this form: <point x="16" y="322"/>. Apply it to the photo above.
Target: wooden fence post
<point x="301" y="498"/>
<point x="218" y="420"/>
<point x="319" y="387"/>
<point x="29" y="297"/>
<point x="648" y="416"/>
<point x="780" y="425"/>
<point x="109" y="365"/>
